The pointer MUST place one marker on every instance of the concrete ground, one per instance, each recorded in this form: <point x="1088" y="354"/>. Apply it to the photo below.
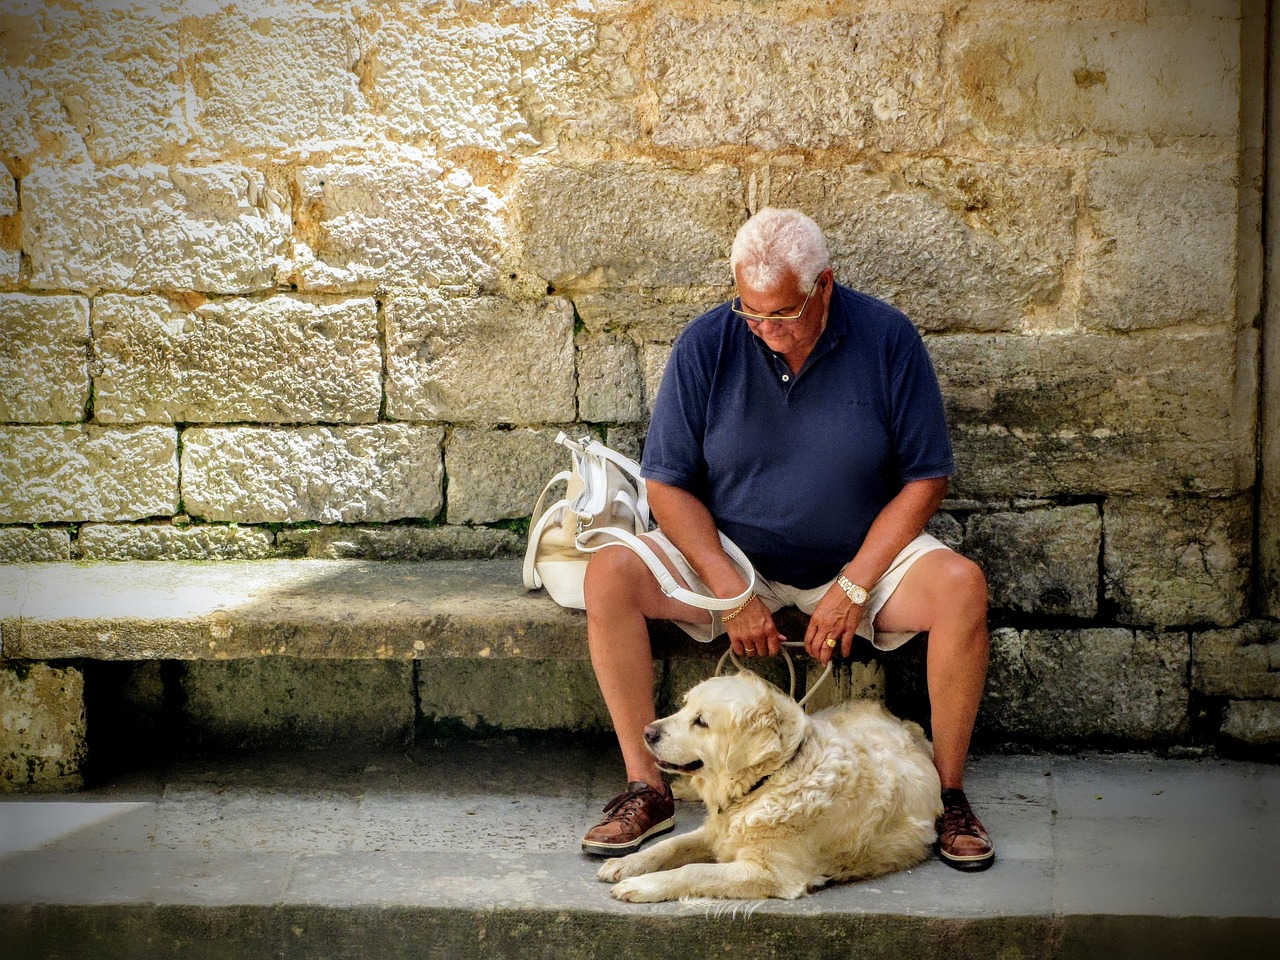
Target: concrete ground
<point x="472" y="850"/>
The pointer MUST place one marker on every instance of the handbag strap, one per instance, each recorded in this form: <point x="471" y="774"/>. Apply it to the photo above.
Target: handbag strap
<point x="531" y="579"/>
<point x="590" y="459"/>
<point x="669" y="584"/>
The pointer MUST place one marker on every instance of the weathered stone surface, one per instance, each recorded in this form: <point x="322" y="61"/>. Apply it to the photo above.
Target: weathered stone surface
<point x="490" y="77"/>
<point x="487" y="360"/>
<point x="310" y="609"/>
<point x="1255" y="722"/>
<point x="653" y="363"/>
<point x="218" y="229"/>
<point x="649" y="314"/>
<point x="510" y="695"/>
<point x="1072" y="685"/>
<point x="356" y="474"/>
<point x="818" y="82"/>
<point x="10" y="230"/>
<point x="498" y="474"/>
<point x="286" y="79"/>
<point x="1181" y="561"/>
<point x="1242" y="661"/>
<point x="400" y="543"/>
<point x="610" y="385"/>
<point x="285" y="359"/>
<point x="1036" y="416"/>
<point x="250" y="703"/>
<point x="17" y="136"/>
<point x="69" y="474"/>
<point x="109" y="81"/>
<point x="98" y="541"/>
<point x="1153" y="217"/>
<point x="404" y="222"/>
<point x="596" y="225"/>
<point x="19" y="545"/>
<point x="42" y="727"/>
<point x="44" y="358"/>
<point x="1029" y="83"/>
<point x="952" y="243"/>
<point x="1041" y="561"/>
<point x="947" y="529"/>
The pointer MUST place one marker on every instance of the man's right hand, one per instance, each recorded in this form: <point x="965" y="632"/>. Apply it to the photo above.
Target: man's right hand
<point x="752" y="632"/>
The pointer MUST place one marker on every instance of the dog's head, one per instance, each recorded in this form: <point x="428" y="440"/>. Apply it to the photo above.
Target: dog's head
<point x="730" y="732"/>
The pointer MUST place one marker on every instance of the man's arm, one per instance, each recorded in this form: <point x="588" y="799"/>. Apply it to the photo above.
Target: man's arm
<point x="689" y="525"/>
<point x="900" y="522"/>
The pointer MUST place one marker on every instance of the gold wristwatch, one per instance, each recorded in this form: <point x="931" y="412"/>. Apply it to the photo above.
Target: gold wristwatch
<point x="857" y="595"/>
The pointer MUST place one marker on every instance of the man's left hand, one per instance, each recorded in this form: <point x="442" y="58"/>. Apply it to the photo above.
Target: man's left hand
<point x="835" y="618"/>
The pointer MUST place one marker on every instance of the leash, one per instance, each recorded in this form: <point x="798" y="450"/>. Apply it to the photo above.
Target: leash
<point x="791" y="669"/>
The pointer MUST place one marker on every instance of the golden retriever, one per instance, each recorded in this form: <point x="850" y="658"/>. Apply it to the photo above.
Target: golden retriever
<point x="793" y="802"/>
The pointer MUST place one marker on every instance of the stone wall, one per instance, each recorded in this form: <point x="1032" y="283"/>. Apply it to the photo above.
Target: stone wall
<point x="325" y="279"/>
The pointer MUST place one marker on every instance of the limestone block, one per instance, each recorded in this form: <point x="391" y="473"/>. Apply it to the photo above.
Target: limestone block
<point x="404" y="222"/>
<point x="44" y="358"/>
<point x="815" y="82"/>
<point x="110" y="81"/>
<point x="70" y="474"/>
<point x="1241" y="661"/>
<point x="279" y="79"/>
<point x="1040" y="561"/>
<point x="513" y="694"/>
<point x="627" y="440"/>
<point x="18" y="143"/>
<point x="488" y="359"/>
<point x="10" y="232"/>
<point x="270" y="701"/>
<point x="498" y="474"/>
<point x="649" y="314"/>
<point x="947" y="529"/>
<point x="1255" y="722"/>
<point x="219" y="229"/>
<point x="653" y="362"/>
<point x="19" y="545"/>
<point x="357" y="474"/>
<point x="615" y="224"/>
<point x="100" y="541"/>
<point x="488" y="76"/>
<point x="400" y="543"/>
<point x="1094" y="684"/>
<point x="1029" y="83"/>
<point x="1038" y="416"/>
<point x="42" y="727"/>
<point x="285" y="359"/>
<point x="610" y="385"/>
<point x="1164" y="242"/>
<point x="1178" y="561"/>
<point x="975" y="244"/>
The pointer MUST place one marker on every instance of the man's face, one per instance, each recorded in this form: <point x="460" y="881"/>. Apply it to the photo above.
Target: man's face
<point x="790" y="338"/>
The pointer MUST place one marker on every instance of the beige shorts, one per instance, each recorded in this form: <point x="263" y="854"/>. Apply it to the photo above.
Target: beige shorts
<point x="779" y="595"/>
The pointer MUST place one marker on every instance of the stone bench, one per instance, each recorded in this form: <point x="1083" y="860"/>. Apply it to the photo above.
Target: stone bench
<point x="304" y="652"/>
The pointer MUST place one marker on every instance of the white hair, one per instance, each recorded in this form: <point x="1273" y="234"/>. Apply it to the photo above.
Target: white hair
<point x="778" y="242"/>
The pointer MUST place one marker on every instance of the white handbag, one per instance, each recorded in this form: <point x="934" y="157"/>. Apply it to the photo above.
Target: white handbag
<point x="604" y="504"/>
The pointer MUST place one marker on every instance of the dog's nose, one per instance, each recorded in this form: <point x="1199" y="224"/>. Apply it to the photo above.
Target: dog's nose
<point x="652" y="734"/>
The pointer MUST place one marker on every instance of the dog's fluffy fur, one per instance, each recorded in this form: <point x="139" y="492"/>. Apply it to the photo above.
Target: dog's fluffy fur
<point x="793" y="802"/>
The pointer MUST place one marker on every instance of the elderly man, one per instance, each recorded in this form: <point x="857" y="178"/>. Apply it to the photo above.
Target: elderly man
<point x="803" y="419"/>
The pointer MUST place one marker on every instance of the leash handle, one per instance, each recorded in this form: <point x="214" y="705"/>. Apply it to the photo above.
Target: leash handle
<point x="791" y="669"/>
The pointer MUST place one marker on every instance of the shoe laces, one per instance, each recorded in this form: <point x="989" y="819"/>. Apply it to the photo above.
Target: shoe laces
<point x="958" y="818"/>
<point x="629" y="805"/>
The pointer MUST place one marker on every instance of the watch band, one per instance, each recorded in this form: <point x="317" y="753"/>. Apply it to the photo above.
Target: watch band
<point x="857" y="595"/>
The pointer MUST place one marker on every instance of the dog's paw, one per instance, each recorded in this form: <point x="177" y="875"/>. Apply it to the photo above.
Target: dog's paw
<point x="647" y="889"/>
<point x="611" y="870"/>
<point x="623" y="867"/>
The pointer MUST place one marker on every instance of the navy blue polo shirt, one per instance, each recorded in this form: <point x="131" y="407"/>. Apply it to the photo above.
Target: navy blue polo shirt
<point x="794" y="468"/>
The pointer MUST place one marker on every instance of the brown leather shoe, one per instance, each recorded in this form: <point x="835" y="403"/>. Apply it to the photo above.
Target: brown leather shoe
<point x="962" y="841"/>
<point x="630" y="819"/>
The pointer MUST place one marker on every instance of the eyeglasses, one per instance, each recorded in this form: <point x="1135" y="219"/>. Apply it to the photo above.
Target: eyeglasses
<point x="735" y="306"/>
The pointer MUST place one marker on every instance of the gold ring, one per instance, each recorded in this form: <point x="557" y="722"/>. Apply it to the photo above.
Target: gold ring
<point x="831" y="641"/>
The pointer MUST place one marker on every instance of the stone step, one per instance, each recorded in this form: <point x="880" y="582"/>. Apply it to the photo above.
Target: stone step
<point x="471" y="851"/>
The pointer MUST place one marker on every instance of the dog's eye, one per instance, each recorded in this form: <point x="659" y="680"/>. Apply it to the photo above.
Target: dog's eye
<point x="698" y="721"/>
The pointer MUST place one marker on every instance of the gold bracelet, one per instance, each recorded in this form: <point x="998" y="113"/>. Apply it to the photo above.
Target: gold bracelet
<point x="726" y="617"/>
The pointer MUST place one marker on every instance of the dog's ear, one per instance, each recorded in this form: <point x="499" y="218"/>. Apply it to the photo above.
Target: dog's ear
<point x="773" y="731"/>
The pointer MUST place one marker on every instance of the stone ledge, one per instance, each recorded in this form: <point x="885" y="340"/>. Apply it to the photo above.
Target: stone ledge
<point x="310" y="609"/>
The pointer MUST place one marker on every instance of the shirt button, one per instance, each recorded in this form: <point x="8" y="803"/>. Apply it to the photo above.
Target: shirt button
<point x="785" y="378"/>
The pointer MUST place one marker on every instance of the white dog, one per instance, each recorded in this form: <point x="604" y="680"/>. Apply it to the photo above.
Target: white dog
<point x="793" y="802"/>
